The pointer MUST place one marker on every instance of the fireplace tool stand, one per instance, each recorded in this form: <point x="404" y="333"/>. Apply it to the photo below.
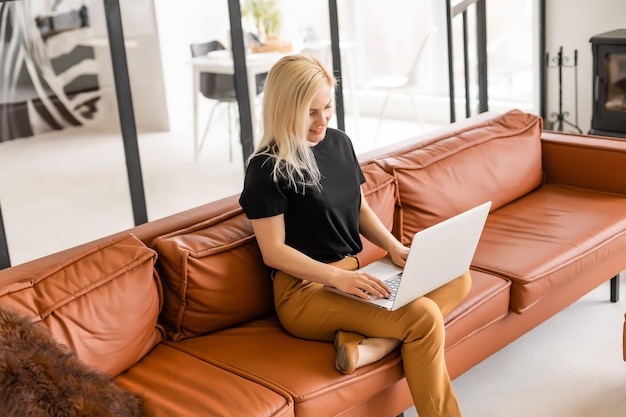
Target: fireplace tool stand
<point x="561" y="116"/>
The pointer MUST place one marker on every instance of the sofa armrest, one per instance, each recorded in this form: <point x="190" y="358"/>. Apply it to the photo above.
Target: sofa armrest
<point x="584" y="161"/>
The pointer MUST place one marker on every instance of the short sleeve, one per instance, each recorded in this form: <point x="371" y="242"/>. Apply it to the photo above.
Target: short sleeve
<point x="261" y="197"/>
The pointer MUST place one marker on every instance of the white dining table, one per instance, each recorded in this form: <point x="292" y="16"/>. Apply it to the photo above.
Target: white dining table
<point x="222" y="63"/>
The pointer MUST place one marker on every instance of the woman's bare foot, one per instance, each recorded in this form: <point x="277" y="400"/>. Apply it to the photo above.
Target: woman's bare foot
<point x="355" y="350"/>
<point x="373" y="349"/>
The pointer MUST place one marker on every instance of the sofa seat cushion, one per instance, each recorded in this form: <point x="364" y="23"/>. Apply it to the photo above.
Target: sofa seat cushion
<point x="262" y="351"/>
<point x="174" y="383"/>
<point x="487" y="302"/>
<point x="102" y="303"/>
<point x="498" y="159"/>
<point x="548" y="237"/>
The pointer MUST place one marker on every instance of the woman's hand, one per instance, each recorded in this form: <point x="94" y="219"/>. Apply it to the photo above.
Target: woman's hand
<point x="398" y="254"/>
<point x="373" y="229"/>
<point x="361" y="284"/>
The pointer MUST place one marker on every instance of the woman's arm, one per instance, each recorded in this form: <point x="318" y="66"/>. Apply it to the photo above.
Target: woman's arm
<point x="270" y="235"/>
<point x="375" y="231"/>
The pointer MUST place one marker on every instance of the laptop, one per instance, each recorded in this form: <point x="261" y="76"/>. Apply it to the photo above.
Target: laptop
<point x="438" y="254"/>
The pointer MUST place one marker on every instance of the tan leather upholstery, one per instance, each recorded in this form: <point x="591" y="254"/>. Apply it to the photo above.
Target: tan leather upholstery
<point x="214" y="276"/>
<point x="177" y="384"/>
<point x="551" y="234"/>
<point x="487" y="302"/>
<point x="253" y="351"/>
<point x="588" y="162"/>
<point x="380" y="190"/>
<point x="103" y="303"/>
<point x="498" y="160"/>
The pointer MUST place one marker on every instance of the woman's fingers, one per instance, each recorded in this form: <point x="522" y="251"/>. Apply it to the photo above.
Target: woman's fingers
<point x="369" y="286"/>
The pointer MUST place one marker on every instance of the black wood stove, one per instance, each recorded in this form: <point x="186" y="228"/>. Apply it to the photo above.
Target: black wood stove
<point x="609" y="84"/>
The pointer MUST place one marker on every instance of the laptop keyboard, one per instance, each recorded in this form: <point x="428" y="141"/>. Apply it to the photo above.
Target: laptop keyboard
<point x="393" y="283"/>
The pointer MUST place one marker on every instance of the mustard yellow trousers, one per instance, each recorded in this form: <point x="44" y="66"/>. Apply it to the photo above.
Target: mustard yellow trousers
<point x="306" y="310"/>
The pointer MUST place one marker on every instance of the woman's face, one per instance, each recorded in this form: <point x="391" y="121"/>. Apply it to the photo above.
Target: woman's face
<point x="319" y="114"/>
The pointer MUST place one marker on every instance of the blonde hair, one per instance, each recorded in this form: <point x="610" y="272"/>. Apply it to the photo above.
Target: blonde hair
<point x="291" y="85"/>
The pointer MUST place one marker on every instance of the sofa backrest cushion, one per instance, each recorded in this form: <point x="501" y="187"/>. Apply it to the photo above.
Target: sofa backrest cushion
<point x="103" y="303"/>
<point x="497" y="160"/>
<point x="213" y="276"/>
<point x="380" y="190"/>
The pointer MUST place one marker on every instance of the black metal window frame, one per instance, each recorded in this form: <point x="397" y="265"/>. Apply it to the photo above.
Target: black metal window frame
<point x="452" y="12"/>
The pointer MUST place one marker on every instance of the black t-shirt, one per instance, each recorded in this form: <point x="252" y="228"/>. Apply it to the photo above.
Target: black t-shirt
<point x="324" y="223"/>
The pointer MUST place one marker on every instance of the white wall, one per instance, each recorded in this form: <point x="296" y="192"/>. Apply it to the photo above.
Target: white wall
<point x="181" y="23"/>
<point x="143" y="55"/>
<point x="570" y="25"/>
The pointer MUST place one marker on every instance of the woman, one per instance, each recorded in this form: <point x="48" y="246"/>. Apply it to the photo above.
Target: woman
<point x="302" y="194"/>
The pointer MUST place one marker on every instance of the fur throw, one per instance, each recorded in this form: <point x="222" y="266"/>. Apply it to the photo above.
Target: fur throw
<point x="42" y="378"/>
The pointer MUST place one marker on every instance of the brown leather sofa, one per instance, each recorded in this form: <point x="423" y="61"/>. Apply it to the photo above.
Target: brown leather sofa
<point x="180" y="309"/>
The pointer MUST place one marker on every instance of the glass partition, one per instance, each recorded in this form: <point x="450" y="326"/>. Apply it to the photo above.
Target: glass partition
<point x="62" y="167"/>
<point x="198" y="159"/>
<point x="63" y="174"/>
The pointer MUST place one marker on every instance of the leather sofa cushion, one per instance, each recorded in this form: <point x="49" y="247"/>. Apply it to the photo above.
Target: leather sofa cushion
<point x="545" y="239"/>
<point x="213" y="276"/>
<point x="306" y="370"/>
<point x="174" y="383"/>
<point x="487" y="302"/>
<point x="103" y="303"/>
<point x="380" y="190"/>
<point x="498" y="159"/>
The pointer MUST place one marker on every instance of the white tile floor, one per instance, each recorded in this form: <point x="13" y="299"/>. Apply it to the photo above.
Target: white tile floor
<point x="69" y="187"/>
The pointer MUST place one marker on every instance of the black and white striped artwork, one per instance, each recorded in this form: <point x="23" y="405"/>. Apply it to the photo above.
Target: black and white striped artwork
<point x="48" y="72"/>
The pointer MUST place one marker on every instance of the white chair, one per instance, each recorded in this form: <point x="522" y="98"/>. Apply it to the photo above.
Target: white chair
<point x="218" y="87"/>
<point x="221" y="89"/>
<point x="399" y="84"/>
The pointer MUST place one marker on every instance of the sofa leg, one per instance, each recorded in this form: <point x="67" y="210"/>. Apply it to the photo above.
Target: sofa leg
<point x="400" y="415"/>
<point x="615" y="289"/>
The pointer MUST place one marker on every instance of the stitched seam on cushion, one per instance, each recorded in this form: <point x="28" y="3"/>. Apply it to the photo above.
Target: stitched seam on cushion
<point x="202" y="225"/>
<point x="382" y="185"/>
<point x="17" y="286"/>
<point x="461" y="148"/>
<point x="74" y="259"/>
<point x="226" y="367"/>
<point x="182" y="294"/>
<point x="587" y="190"/>
<point x="551" y="138"/>
<point x="494" y="292"/>
<point x="95" y="285"/>
<point x="472" y="333"/>
<point x="222" y="248"/>
<point x="458" y="133"/>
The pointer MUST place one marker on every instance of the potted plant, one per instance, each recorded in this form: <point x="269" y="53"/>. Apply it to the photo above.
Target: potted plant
<point x="266" y="16"/>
